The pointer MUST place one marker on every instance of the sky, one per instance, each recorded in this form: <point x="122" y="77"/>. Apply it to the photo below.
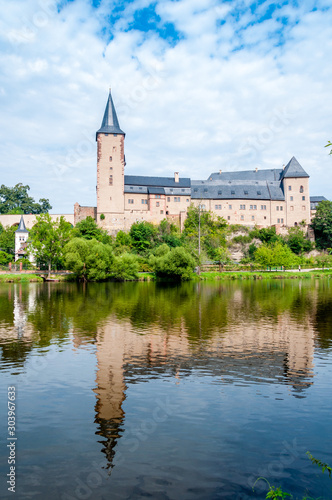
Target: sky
<point x="199" y="86"/>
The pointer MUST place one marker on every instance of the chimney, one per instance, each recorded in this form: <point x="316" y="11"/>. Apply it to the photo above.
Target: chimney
<point x="176" y="176"/>
<point x="283" y="167"/>
<point x="256" y="169"/>
<point x="219" y="172"/>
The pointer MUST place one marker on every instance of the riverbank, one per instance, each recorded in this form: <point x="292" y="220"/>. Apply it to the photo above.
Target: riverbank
<point x="19" y="278"/>
<point x="260" y="275"/>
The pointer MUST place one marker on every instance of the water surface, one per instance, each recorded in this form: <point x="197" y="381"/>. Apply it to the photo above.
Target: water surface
<point x="189" y="391"/>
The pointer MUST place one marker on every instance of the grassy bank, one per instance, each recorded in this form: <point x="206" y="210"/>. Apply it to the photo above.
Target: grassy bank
<point x="260" y="275"/>
<point x="19" y="278"/>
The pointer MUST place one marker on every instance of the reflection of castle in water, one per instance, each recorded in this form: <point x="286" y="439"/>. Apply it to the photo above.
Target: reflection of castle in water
<point x="278" y="350"/>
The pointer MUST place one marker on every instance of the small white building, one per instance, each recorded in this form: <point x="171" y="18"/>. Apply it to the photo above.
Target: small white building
<point x="21" y="239"/>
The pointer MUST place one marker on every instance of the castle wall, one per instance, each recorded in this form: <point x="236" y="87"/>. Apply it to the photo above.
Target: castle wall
<point x="30" y="219"/>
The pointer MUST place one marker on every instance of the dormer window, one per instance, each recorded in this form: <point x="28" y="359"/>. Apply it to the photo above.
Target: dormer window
<point x="259" y="192"/>
<point x="205" y="190"/>
<point x="219" y="192"/>
<point x="195" y="190"/>
<point x="245" y="192"/>
<point x="232" y="192"/>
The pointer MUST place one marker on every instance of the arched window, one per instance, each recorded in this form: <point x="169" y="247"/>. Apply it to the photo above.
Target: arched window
<point x="301" y="189"/>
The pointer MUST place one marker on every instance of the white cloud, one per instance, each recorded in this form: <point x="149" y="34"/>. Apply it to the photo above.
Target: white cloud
<point x="222" y="97"/>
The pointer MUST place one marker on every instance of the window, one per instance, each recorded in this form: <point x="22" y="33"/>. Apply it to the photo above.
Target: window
<point x="157" y="204"/>
<point x="301" y="189"/>
<point x="242" y="217"/>
<point x="263" y="207"/>
<point x="232" y="192"/>
<point x="131" y="187"/>
<point x="111" y="168"/>
<point x="229" y="207"/>
<point x="289" y="188"/>
<point x="281" y="208"/>
<point x="259" y="192"/>
<point x="195" y="190"/>
<point x="114" y="149"/>
<point x="144" y="202"/>
<point x="278" y="208"/>
<point x="168" y="198"/>
<point x="161" y="211"/>
<point x="217" y="207"/>
<point x="282" y="221"/>
<point x="110" y="181"/>
<point x="203" y="207"/>
<point x="140" y="188"/>
<point x="115" y="135"/>
<point x="303" y="198"/>
<point x="242" y="207"/>
<point x="182" y="190"/>
<point x="110" y="158"/>
<point x="219" y="193"/>
<point x="278" y="221"/>
<point x="264" y="217"/>
<point x="130" y="201"/>
<point x="205" y="190"/>
<point x="303" y="207"/>
<point x="187" y="200"/>
<point x="291" y="198"/>
<point x="252" y="217"/>
<point x="245" y="192"/>
<point x="157" y="196"/>
<point x="253" y="207"/>
<point x="229" y="217"/>
<point x="177" y="199"/>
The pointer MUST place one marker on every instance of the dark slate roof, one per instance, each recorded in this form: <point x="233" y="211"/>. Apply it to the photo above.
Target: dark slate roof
<point x="21" y="227"/>
<point x="248" y="175"/>
<point x="110" y="123"/>
<point x="237" y="190"/>
<point x="317" y="199"/>
<point x="293" y="169"/>
<point x="156" y="190"/>
<point x="142" y="180"/>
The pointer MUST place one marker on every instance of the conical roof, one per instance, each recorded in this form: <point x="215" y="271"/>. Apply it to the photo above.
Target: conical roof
<point x="21" y="227"/>
<point x="110" y="123"/>
<point x="293" y="169"/>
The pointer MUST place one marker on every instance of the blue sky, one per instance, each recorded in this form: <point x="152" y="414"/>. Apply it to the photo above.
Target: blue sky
<point x="199" y="86"/>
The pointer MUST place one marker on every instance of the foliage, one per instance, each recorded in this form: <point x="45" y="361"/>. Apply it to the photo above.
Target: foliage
<point x="143" y="236"/>
<point x="328" y="145"/>
<point x="169" y="233"/>
<point x="323" y="466"/>
<point x="5" y="258"/>
<point x="122" y="243"/>
<point x="322" y="224"/>
<point x="25" y="263"/>
<point x="213" y="231"/>
<point x="89" y="230"/>
<point x="176" y="264"/>
<point x="125" y="268"/>
<point x="297" y="241"/>
<point x="47" y="239"/>
<point x="102" y="217"/>
<point x="17" y="200"/>
<point x="7" y="239"/>
<point x="89" y="259"/>
<point x="161" y="250"/>
<point x="276" y="254"/>
<point x="266" y="234"/>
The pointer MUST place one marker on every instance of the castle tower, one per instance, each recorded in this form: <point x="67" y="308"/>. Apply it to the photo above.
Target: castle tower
<point x="296" y="189"/>
<point x="110" y="170"/>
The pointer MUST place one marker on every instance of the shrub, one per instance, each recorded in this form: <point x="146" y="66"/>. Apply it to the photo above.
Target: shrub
<point x="125" y="268"/>
<point x="5" y="258"/>
<point x="176" y="264"/>
<point x="88" y="259"/>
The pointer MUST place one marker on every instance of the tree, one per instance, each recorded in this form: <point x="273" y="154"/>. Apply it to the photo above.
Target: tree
<point x="169" y="233"/>
<point x="47" y="239"/>
<point x="5" y="258"/>
<point x="297" y="241"/>
<point x="125" y="268"/>
<point x="275" y="254"/>
<point x="90" y="260"/>
<point x="322" y="224"/>
<point x="16" y="200"/>
<point x="7" y="239"/>
<point x="89" y="230"/>
<point x="176" y="264"/>
<point x="143" y="236"/>
<point x="212" y="230"/>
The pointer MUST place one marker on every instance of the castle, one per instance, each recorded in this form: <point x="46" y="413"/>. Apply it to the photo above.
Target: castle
<point x="278" y="197"/>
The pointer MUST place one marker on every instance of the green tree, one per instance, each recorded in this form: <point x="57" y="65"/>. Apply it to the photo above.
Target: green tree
<point x="297" y="241"/>
<point x="16" y="200"/>
<point x="322" y="224"/>
<point x="122" y="243"/>
<point x="89" y="230"/>
<point x="125" y="268"/>
<point x="176" y="264"/>
<point x="90" y="260"/>
<point x="169" y="233"/>
<point x="5" y="258"/>
<point x="212" y="231"/>
<point x="7" y="239"/>
<point x="47" y="239"/>
<point x="275" y="254"/>
<point x="143" y="235"/>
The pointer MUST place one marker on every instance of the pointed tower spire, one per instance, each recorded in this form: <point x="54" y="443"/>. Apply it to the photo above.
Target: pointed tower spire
<point x="110" y="123"/>
<point x="21" y="227"/>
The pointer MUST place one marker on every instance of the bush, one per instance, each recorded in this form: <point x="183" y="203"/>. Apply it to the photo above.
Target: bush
<point x="276" y="254"/>
<point x="176" y="264"/>
<point x="88" y="259"/>
<point x="125" y="268"/>
<point x="5" y="258"/>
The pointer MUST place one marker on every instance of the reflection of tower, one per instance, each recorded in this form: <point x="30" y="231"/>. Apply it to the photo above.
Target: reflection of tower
<point x="21" y="309"/>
